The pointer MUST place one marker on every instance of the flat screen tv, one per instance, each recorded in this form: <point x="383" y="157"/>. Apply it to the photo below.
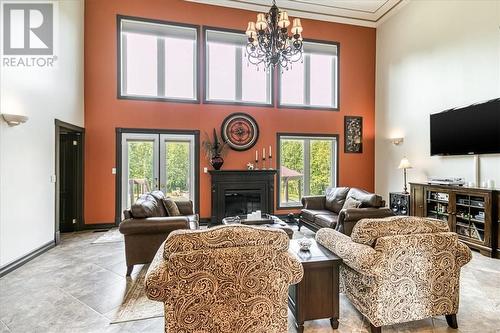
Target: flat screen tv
<point x="474" y="129"/>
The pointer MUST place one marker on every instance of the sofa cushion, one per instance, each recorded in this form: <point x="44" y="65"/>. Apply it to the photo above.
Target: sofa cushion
<point x="145" y="206"/>
<point x="367" y="231"/>
<point x="351" y="203"/>
<point x="171" y="207"/>
<point x="327" y="220"/>
<point x="335" y="197"/>
<point x="159" y="196"/>
<point x="367" y="199"/>
<point x="309" y="214"/>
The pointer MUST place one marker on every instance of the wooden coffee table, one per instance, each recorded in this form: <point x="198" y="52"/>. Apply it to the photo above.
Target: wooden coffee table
<point x="317" y="295"/>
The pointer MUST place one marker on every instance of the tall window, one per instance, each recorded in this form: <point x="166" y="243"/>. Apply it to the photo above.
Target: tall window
<point x="312" y="83"/>
<point x="307" y="166"/>
<point x="158" y="61"/>
<point x="229" y="76"/>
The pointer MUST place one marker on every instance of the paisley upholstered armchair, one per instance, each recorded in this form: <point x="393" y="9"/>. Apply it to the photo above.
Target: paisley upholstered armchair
<point x="399" y="269"/>
<point x="224" y="279"/>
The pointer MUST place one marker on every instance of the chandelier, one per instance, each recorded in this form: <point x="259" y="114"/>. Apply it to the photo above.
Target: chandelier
<point x="269" y="42"/>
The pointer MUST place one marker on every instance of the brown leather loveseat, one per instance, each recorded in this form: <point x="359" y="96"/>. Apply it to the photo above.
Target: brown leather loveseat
<point x="147" y="225"/>
<point x="340" y="208"/>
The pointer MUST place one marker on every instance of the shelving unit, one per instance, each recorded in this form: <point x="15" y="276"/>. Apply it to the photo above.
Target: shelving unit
<point x="472" y="213"/>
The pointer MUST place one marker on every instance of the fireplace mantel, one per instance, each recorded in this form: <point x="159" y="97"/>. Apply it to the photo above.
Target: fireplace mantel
<point x="224" y="181"/>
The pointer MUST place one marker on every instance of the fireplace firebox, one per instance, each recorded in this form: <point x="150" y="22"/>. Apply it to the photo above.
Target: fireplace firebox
<point x="238" y="192"/>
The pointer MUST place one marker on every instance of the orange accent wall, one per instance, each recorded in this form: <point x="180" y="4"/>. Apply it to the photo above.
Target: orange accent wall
<point x="104" y="112"/>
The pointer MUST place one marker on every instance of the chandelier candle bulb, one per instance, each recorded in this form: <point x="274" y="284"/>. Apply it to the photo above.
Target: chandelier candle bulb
<point x="270" y="154"/>
<point x="297" y="27"/>
<point x="261" y="22"/>
<point x="251" y="29"/>
<point x="264" y="153"/>
<point x="283" y="22"/>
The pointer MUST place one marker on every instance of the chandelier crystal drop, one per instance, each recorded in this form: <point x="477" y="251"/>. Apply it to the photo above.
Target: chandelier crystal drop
<point x="269" y="42"/>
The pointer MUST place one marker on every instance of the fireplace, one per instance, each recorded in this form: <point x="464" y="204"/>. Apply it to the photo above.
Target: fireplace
<point x="238" y="192"/>
<point x="241" y="202"/>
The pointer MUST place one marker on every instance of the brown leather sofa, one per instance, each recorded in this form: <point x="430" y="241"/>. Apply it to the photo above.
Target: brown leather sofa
<point x="147" y="225"/>
<point x="328" y="211"/>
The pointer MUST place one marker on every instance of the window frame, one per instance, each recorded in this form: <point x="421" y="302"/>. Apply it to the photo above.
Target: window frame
<point x="119" y="78"/>
<point x="312" y="107"/>
<point x="272" y="75"/>
<point x="281" y="135"/>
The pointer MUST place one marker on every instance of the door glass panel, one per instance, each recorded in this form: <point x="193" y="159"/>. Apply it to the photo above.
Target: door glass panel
<point x="177" y="170"/>
<point x="140" y="169"/>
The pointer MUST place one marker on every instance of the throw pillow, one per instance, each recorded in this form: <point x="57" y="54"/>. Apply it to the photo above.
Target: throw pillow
<point x="171" y="207"/>
<point x="351" y="203"/>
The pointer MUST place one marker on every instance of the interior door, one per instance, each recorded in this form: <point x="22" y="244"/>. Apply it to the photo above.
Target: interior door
<point x="68" y="181"/>
<point x="140" y="166"/>
<point x="177" y="166"/>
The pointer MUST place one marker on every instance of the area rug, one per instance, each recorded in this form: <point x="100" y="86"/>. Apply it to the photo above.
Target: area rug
<point x="110" y="236"/>
<point x="136" y="305"/>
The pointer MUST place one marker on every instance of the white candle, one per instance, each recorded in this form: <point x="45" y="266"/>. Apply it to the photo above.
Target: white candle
<point x="270" y="155"/>
<point x="256" y="155"/>
<point x="264" y="153"/>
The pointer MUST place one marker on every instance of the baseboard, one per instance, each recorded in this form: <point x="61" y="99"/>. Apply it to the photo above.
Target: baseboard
<point x="99" y="226"/>
<point x="26" y="258"/>
<point x="204" y="221"/>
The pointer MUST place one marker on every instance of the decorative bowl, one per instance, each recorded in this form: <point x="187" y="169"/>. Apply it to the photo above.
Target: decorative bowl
<point x="305" y="244"/>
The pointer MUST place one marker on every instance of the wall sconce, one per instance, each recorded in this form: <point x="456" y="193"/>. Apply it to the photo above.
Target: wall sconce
<point x="14" y="119"/>
<point x="397" y="141"/>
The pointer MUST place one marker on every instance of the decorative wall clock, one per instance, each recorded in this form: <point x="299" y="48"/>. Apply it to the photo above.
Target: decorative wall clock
<point x="240" y="131"/>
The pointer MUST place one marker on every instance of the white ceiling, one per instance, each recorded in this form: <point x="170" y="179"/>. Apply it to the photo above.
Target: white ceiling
<point x="358" y="12"/>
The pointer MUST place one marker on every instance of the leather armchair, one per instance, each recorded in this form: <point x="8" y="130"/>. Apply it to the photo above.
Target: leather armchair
<point x="224" y="279"/>
<point x="148" y="229"/>
<point x="400" y="268"/>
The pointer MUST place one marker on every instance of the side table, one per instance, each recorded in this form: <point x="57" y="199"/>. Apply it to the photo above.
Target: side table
<point x="317" y="295"/>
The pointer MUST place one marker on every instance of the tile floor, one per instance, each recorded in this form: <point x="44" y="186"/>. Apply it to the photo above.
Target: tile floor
<point x="78" y="286"/>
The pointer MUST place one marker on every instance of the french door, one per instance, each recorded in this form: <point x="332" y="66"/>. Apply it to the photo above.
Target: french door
<point x="163" y="162"/>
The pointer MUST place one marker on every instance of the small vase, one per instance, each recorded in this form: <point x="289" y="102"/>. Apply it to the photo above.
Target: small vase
<point x="217" y="161"/>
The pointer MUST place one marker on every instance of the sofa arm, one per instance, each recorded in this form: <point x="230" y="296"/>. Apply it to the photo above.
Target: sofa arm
<point x="153" y="225"/>
<point x="314" y="202"/>
<point x="464" y="255"/>
<point x="350" y="216"/>
<point x="359" y="257"/>
<point x="156" y="277"/>
<point x="185" y="207"/>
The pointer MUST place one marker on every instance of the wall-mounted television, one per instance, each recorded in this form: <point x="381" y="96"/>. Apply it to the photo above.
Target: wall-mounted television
<point x="474" y="129"/>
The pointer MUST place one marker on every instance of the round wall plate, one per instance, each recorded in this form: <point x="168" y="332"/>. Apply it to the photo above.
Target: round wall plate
<point x="240" y="131"/>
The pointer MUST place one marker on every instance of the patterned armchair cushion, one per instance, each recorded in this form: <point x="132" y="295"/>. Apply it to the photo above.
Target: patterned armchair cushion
<point x="214" y="285"/>
<point x="367" y="231"/>
<point x="223" y="236"/>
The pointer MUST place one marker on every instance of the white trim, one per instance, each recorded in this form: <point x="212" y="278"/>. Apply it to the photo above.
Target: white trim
<point x="316" y="12"/>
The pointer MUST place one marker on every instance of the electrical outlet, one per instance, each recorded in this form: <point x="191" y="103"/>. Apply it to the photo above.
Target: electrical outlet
<point x="113" y="171"/>
<point x="205" y="170"/>
<point x="53" y="178"/>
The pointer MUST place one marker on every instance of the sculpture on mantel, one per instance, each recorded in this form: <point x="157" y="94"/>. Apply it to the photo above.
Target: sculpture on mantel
<point x="214" y="150"/>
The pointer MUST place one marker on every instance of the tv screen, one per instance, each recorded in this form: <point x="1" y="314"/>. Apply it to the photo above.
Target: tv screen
<point x="473" y="129"/>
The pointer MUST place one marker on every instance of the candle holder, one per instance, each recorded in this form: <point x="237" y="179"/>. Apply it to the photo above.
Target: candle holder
<point x="270" y="163"/>
<point x="256" y="165"/>
<point x="263" y="163"/>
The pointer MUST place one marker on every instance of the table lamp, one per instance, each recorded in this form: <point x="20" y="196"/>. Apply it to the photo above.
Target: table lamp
<point x="404" y="164"/>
